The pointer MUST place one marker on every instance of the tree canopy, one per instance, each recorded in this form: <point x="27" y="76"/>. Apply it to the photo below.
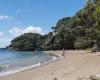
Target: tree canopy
<point x="27" y="42"/>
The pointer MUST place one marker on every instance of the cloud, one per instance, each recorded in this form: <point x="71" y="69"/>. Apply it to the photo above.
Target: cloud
<point x="16" y="31"/>
<point x="5" y="17"/>
<point x="4" y="42"/>
<point x="32" y="29"/>
<point x="1" y="33"/>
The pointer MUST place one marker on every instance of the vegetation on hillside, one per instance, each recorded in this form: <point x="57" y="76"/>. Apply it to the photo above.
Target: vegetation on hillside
<point x="81" y="31"/>
<point x="78" y="32"/>
<point x="27" y="42"/>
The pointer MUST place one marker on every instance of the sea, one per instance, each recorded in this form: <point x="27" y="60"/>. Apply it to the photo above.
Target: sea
<point x="16" y="61"/>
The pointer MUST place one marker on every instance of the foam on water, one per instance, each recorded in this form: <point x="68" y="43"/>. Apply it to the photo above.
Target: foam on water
<point x="28" y="67"/>
<point x="20" y="69"/>
<point x="20" y="61"/>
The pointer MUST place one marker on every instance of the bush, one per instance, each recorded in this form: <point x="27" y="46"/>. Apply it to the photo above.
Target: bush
<point x="83" y="44"/>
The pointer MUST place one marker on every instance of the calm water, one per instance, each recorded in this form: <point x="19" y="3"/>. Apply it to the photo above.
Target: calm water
<point x="13" y="60"/>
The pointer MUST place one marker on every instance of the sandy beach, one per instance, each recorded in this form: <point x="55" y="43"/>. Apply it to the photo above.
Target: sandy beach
<point x="75" y="66"/>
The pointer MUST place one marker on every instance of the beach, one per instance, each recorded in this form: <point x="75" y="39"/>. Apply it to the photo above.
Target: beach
<point x="76" y="65"/>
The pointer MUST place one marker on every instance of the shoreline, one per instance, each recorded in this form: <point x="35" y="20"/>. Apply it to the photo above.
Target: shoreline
<point x="55" y="57"/>
<point x="75" y="66"/>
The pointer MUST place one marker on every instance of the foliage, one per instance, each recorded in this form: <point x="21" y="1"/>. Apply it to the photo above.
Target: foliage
<point x="27" y="42"/>
<point x="81" y="31"/>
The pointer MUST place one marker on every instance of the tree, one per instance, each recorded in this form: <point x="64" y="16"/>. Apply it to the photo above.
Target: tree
<point x="27" y="42"/>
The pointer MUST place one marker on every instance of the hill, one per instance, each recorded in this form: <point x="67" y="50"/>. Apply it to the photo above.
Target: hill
<point x="81" y="31"/>
<point x="27" y="42"/>
<point x="78" y="32"/>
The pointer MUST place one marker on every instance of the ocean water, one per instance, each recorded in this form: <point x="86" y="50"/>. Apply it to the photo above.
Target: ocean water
<point x="16" y="61"/>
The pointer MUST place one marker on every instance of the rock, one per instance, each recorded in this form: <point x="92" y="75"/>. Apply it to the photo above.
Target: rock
<point x="95" y="77"/>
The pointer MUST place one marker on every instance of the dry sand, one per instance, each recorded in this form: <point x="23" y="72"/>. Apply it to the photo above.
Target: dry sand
<point x="76" y="65"/>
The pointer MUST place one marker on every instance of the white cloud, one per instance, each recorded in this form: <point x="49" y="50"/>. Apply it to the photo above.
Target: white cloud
<point x="1" y="33"/>
<point x="32" y="29"/>
<point x="4" y="42"/>
<point x="5" y="17"/>
<point x="16" y="31"/>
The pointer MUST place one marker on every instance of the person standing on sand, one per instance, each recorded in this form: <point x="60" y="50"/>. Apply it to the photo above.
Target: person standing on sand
<point x="63" y="54"/>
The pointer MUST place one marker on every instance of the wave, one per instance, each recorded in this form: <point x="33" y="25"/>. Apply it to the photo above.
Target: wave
<point x="29" y="67"/>
<point x="20" y="69"/>
<point x="53" y="59"/>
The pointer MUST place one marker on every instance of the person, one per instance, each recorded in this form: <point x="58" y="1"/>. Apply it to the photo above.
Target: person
<point x="63" y="54"/>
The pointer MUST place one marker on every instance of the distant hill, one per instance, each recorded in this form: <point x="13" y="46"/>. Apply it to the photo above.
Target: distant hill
<point x="27" y="42"/>
<point x="2" y="48"/>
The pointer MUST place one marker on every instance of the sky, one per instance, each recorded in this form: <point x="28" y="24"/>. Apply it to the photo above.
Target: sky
<point x="38" y="16"/>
